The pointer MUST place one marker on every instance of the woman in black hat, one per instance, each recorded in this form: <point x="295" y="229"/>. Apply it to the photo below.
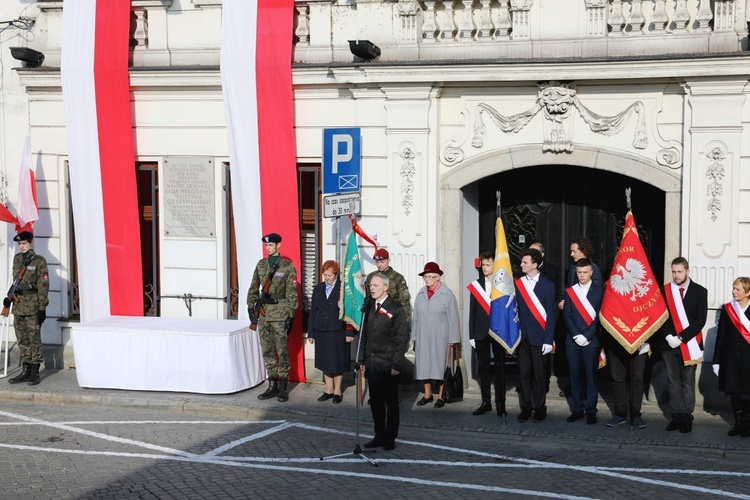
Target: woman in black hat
<point x="434" y="329"/>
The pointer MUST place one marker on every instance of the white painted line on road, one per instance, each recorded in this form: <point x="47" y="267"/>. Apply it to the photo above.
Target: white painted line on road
<point x="246" y="439"/>
<point x="99" y="435"/>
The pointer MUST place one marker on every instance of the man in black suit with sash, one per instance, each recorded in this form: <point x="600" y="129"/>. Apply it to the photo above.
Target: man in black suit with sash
<point x="536" y="315"/>
<point x="385" y="337"/>
<point x="681" y="342"/>
<point x="481" y="339"/>
<point x="581" y="318"/>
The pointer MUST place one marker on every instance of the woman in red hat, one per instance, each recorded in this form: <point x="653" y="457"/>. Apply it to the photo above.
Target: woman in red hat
<point x="434" y="329"/>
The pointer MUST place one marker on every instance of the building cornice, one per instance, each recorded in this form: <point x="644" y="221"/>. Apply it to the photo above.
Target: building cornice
<point x="680" y="70"/>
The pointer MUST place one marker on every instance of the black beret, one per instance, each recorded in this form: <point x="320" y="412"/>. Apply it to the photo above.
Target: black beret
<point x="24" y="236"/>
<point x="272" y="238"/>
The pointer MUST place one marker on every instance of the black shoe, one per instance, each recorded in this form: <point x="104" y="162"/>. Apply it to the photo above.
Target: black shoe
<point x="389" y="445"/>
<point x="424" y="401"/>
<point x="524" y="415"/>
<point x="575" y="416"/>
<point x="439" y="403"/>
<point x="483" y="408"/>
<point x="673" y="426"/>
<point x="23" y="376"/>
<point x="501" y="411"/>
<point x="325" y="397"/>
<point x="539" y="416"/>
<point x="374" y="443"/>
<point x="34" y="375"/>
<point x="337" y="399"/>
<point x="273" y="389"/>
<point x="591" y="418"/>
<point x="686" y="427"/>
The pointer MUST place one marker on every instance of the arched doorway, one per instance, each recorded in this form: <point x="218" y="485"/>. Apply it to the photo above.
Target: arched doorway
<point x="556" y="203"/>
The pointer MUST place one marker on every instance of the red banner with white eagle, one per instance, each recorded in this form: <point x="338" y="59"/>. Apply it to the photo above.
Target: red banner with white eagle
<point x="633" y="307"/>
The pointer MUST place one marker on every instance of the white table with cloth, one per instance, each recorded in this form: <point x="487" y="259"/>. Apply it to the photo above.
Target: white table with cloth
<point x="208" y="356"/>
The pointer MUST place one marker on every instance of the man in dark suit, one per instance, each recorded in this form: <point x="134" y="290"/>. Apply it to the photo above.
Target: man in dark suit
<point x="681" y="342"/>
<point x="385" y="337"/>
<point x="580" y="315"/>
<point x="536" y="315"/>
<point x="481" y="339"/>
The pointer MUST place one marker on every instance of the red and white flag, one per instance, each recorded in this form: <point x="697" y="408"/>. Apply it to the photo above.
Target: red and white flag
<point x="633" y="307"/>
<point x="28" y="210"/>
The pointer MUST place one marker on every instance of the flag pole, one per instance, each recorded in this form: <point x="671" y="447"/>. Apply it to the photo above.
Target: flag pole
<point x="631" y="417"/>
<point x="499" y="214"/>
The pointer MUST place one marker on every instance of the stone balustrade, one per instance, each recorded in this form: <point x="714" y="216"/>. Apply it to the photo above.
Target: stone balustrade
<point x="432" y="30"/>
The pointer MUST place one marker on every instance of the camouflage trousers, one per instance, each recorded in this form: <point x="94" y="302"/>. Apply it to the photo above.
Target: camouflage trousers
<point x="275" y="345"/>
<point x="29" y="336"/>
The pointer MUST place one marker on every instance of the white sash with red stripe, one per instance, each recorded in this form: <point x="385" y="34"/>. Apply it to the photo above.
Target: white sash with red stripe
<point x="480" y="294"/>
<point x="692" y="350"/>
<point x="533" y="302"/>
<point x="577" y="295"/>
<point x="739" y="320"/>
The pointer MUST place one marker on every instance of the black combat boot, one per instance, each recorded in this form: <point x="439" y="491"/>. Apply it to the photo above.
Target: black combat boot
<point x="34" y="376"/>
<point x="23" y="376"/>
<point x="273" y="390"/>
<point x="739" y="423"/>
<point x="283" y="395"/>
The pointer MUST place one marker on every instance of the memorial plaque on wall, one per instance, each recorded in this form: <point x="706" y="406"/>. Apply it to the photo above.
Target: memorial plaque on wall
<point x="188" y="196"/>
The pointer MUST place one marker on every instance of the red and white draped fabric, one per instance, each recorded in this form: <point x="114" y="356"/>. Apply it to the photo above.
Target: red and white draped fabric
<point x="256" y="75"/>
<point x="692" y="351"/>
<point x="96" y="98"/>
<point x="28" y="210"/>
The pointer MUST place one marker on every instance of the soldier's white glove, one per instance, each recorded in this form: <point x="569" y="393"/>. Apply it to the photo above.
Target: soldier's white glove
<point x="673" y="341"/>
<point x="473" y="343"/>
<point x="716" y="369"/>
<point x="580" y="340"/>
<point x="644" y="349"/>
<point x="546" y="349"/>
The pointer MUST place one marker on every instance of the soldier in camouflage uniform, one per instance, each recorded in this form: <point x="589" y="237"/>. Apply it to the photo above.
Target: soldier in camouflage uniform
<point x="397" y="289"/>
<point x="275" y="322"/>
<point x="29" y="307"/>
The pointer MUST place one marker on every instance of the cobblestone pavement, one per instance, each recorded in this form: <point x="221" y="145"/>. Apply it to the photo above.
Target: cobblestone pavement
<point x="92" y="451"/>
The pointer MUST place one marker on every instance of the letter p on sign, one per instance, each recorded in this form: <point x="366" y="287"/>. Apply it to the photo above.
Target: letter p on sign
<point x="342" y="151"/>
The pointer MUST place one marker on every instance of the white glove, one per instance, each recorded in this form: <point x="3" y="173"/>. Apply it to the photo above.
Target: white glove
<point x="473" y="343"/>
<point x="546" y="349"/>
<point x="644" y="349"/>
<point x="673" y="341"/>
<point x="716" y="369"/>
<point x="580" y="340"/>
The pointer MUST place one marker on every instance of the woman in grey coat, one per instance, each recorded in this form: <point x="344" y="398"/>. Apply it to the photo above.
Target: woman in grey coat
<point x="434" y="329"/>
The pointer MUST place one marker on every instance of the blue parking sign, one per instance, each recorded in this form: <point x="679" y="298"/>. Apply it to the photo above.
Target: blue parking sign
<point x="342" y="160"/>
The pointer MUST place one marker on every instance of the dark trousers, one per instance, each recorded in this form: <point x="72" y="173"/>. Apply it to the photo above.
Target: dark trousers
<point x="486" y="370"/>
<point x="531" y="367"/>
<point x="583" y="363"/>
<point x="681" y="386"/>
<point x="384" y="407"/>
<point x="618" y="360"/>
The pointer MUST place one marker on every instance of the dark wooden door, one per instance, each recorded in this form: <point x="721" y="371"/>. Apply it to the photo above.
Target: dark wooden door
<point x="554" y="204"/>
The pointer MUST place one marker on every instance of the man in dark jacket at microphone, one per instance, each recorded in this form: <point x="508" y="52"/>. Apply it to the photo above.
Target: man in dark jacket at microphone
<point x="385" y="337"/>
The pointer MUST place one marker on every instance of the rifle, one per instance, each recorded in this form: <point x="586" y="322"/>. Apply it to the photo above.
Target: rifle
<point x="12" y="290"/>
<point x="257" y="310"/>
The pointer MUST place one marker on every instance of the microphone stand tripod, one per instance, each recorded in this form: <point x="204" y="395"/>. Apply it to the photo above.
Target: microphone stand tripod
<point x="358" y="451"/>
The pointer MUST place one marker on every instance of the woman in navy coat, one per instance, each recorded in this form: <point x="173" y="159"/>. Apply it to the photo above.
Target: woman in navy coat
<point x="329" y="333"/>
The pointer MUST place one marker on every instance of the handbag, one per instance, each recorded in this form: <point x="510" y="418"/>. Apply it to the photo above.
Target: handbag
<point x="453" y="380"/>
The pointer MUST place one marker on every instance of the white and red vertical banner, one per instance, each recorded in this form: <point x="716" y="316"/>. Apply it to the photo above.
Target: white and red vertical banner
<point x="98" y="122"/>
<point x="256" y="75"/>
<point x="28" y="210"/>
